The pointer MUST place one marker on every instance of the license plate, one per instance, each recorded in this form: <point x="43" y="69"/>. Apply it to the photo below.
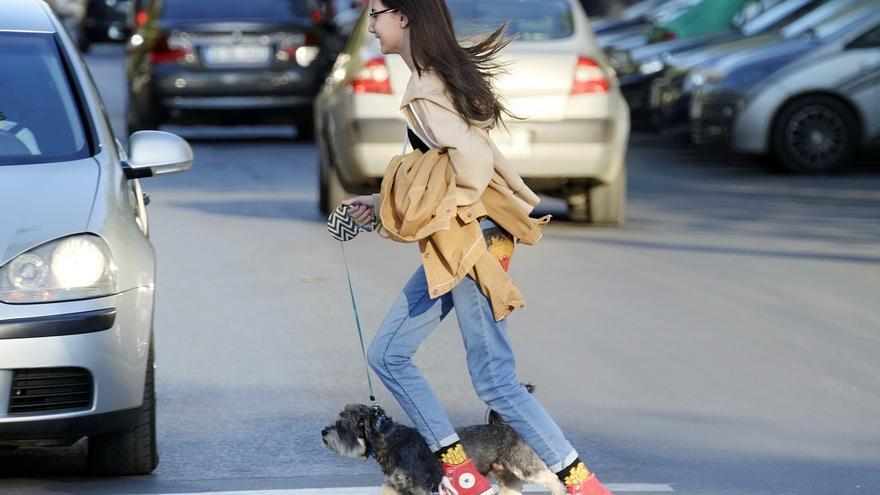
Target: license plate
<point x="236" y="55"/>
<point x="514" y="143"/>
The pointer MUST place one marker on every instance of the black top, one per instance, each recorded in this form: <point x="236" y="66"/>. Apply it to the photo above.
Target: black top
<point x="415" y="142"/>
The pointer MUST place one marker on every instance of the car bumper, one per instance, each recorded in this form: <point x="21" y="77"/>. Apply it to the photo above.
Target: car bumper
<point x="574" y="148"/>
<point x="713" y="117"/>
<point x="106" y="338"/>
<point x="228" y="103"/>
<point x="171" y="82"/>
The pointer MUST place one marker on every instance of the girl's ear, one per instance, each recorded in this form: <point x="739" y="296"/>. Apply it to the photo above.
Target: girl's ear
<point x="404" y="21"/>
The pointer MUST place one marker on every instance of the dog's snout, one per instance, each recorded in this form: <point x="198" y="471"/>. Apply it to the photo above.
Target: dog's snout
<point x="325" y="431"/>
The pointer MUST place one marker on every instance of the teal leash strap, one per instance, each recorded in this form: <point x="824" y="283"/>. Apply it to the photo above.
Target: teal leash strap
<point x="357" y="321"/>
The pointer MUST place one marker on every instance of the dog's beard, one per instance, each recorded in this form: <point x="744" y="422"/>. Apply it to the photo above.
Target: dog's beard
<point x="351" y="446"/>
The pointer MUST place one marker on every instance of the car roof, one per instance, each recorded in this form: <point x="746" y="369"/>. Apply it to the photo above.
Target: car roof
<point x="26" y="15"/>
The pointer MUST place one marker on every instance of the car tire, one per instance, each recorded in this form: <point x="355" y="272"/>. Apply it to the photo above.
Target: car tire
<point x="602" y="203"/>
<point x="330" y="190"/>
<point x="132" y="451"/>
<point x="815" y="135"/>
<point x="305" y="131"/>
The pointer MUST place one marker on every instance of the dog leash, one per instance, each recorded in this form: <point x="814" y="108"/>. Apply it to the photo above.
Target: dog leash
<point x="357" y="321"/>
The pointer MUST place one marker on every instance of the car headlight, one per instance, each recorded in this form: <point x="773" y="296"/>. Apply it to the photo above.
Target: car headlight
<point x="699" y="78"/>
<point x="651" y="66"/>
<point x="75" y="267"/>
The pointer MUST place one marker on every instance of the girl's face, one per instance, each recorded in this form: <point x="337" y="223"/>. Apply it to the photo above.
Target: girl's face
<point x="390" y="27"/>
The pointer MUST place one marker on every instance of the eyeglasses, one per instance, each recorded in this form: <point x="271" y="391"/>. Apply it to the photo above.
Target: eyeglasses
<point x="374" y="14"/>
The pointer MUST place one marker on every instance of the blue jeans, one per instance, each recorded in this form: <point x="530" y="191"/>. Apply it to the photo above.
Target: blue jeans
<point x="490" y="361"/>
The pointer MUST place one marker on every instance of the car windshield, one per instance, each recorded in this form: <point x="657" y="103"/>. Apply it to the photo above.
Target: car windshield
<point x="769" y="14"/>
<point x="672" y="9"/>
<point x="239" y="10"/>
<point x="641" y="9"/>
<point x="837" y="25"/>
<point x="528" y="20"/>
<point x="39" y="118"/>
<point x="832" y="10"/>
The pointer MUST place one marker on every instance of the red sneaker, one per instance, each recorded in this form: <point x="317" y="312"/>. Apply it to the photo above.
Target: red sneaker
<point x="464" y="479"/>
<point x="589" y="486"/>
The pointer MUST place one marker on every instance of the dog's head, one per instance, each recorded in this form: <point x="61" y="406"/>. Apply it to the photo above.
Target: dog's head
<point x="350" y="434"/>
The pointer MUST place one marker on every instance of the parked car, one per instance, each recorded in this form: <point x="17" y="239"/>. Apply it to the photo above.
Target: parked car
<point x="636" y="14"/>
<point x="226" y="62"/>
<point x="810" y="103"/>
<point x="572" y="145"/>
<point x="636" y="35"/>
<point x="671" y="92"/>
<point x="77" y="270"/>
<point x="648" y="62"/>
<point x="706" y="17"/>
<point x="106" y="20"/>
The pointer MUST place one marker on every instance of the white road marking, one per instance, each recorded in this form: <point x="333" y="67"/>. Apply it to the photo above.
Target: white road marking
<point x="374" y="490"/>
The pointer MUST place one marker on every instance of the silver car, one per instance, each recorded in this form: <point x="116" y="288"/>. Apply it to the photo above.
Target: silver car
<point x="77" y="270"/>
<point x="572" y="144"/>
<point x="811" y="103"/>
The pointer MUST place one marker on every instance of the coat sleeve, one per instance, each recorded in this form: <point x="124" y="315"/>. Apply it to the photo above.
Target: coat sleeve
<point x="469" y="154"/>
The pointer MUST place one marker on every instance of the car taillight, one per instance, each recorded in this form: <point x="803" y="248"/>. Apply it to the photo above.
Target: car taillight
<point x="141" y="18"/>
<point x="302" y="48"/>
<point x="589" y="77"/>
<point x="374" y="77"/>
<point x="164" y="52"/>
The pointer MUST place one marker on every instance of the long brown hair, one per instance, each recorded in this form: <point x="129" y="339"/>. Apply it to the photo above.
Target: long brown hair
<point x="468" y="71"/>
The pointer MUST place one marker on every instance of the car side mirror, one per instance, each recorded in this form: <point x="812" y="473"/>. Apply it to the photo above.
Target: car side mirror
<point x="156" y="153"/>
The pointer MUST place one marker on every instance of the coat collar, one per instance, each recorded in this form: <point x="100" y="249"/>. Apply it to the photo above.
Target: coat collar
<point x="430" y="86"/>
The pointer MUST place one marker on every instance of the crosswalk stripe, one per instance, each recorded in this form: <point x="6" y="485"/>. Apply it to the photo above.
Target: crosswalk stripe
<point x="373" y="490"/>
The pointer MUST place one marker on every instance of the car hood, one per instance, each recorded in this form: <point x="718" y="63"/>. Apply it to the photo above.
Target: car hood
<point x="42" y="202"/>
<point x="766" y="55"/>
<point x="642" y="53"/>
<point x="695" y="57"/>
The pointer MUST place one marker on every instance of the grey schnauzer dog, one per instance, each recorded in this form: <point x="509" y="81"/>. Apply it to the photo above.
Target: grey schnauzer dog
<point x="410" y="468"/>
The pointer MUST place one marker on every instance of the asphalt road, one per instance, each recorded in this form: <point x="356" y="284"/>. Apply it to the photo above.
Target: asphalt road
<point x="726" y="341"/>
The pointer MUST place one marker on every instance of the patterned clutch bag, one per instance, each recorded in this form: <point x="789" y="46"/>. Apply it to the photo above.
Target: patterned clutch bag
<point x="342" y="226"/>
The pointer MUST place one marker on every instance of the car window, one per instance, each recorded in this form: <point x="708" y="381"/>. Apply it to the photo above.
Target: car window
<point x="528" y="20"/>
<point x="253" y="10"/>
<point x="871" y="39"/>
<point x="39" y="116"/>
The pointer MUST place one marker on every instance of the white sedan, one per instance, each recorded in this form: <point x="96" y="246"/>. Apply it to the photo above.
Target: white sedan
<point x="572" y="143"/>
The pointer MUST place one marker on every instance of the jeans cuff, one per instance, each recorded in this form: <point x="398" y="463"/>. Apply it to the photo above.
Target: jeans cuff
<point x="451" y="439"/>
<point x="565" y="462"/>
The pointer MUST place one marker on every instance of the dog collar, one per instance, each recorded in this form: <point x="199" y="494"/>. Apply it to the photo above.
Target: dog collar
<point x="379" y="421"/>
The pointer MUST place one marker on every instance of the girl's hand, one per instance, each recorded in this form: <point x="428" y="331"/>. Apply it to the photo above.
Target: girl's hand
<point x="361" y="209"/>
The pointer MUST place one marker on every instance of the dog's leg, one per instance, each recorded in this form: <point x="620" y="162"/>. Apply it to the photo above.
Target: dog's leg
<point x="388" y="490"/>
<point x="509" y="483"/>
<point x="548" y="480"/>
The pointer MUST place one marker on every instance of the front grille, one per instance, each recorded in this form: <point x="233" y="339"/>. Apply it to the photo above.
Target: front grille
<point x="41" y="390"/>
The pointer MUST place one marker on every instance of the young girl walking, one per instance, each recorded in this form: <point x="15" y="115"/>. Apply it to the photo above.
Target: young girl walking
<point x="449" y="104"/>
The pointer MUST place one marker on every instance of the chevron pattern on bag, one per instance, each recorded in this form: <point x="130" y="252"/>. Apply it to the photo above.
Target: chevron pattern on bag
<point x="341" y="225"/>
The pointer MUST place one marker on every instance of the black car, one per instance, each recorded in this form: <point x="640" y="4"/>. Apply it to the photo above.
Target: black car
<point x="226" y="62"/>
<point x="106" y="20"/>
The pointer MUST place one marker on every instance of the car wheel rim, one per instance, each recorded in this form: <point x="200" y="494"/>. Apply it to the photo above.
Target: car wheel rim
<point x="816" y="137"/>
